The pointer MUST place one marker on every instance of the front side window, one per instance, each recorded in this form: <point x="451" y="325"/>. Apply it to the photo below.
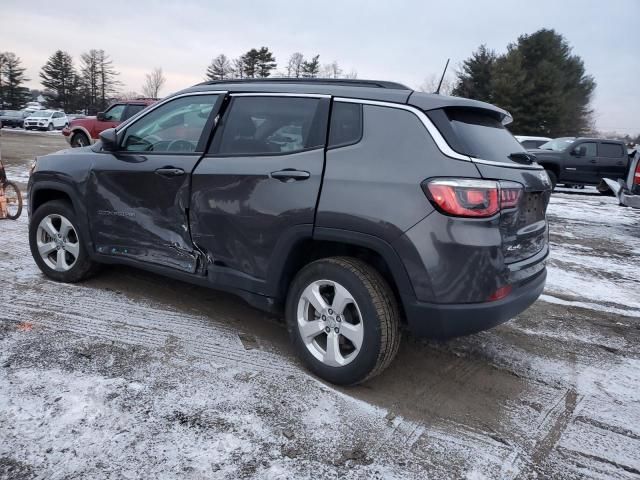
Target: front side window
<point x="558" y="144"/>
<point x="114" y="114"/>
<point x="132" y="110"/>
<point x="589" y="149"/>
<point x="270" y="125"/>
<point x="173" y="127"/>
<point x="611" y="150"/>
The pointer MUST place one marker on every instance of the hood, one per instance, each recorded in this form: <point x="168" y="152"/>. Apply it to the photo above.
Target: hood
<point x="82" y="122"/>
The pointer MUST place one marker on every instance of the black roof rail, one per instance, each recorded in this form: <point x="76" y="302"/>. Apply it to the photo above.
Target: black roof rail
<point x="348" y="82"/>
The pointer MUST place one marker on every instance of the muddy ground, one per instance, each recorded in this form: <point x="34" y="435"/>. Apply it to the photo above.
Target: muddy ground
<point x="131" y="375"/>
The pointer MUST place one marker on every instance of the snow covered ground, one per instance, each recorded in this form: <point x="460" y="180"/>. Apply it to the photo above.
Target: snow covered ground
<point x="130" y="375"/>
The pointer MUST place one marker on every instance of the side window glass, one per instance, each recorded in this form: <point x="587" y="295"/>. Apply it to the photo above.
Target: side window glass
<point x="346" y="124"/>
<point x="590" y="149"/>
<point x="611" y="150"/>
<point x="271" y="125"/>
<point x="131" y="111"/>
<point x="173" y="127"/>
<point x="114" y="113"/>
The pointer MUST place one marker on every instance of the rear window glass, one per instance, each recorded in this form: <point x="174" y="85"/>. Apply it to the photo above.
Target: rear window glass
<point x="611" y="150"/>
<point x="475" y="133"/>
<point x="346" y="124"/>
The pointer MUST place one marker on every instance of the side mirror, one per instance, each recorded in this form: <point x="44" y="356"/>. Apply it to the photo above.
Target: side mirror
<point x="109" y="140"/>
<point x="100" y="116"/>
<point x="579" y="151"/>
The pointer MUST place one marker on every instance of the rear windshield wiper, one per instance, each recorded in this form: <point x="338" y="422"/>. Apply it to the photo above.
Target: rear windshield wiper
<point x="522" y="157"/>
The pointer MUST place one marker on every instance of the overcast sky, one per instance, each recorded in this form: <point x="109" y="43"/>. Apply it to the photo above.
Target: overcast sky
<point x="404" y="41"/>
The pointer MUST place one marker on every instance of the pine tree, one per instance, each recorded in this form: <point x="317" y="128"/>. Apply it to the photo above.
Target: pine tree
<point x="250" y="62"/>
<point x="219" y="69"/>
<point x="266" y="62"/>
<point x="538" y="80"/>
<point x="12" y="92"/>
<point x="474" y="81"/>
<point x="58" y="78"/>
<point x="311" y="68"/>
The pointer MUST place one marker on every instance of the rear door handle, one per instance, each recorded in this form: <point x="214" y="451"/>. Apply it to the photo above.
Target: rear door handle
<point x="170" y="172"/>
<point x="288" y="175"/>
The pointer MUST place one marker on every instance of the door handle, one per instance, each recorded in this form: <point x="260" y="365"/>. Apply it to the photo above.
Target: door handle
<point x="170" y="172"/>
<point x="593" y="160"/>
<point x="289" y="174"/>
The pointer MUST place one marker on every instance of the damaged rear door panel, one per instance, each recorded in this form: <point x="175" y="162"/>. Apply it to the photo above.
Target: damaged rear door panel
<point x="139" y="196"/>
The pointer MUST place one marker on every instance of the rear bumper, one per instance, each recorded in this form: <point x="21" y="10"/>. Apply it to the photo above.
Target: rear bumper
<point x="452" y="320"/>
<point x="630" y="200"/>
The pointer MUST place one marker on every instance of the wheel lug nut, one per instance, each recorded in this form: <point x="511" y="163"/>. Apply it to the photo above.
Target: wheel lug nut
<point x="337" y="330"/>
<point x="338" y="319"/>
<point x="330" y="312"/>
<point x="324" y="317"/>
<point x="327" y="329"/>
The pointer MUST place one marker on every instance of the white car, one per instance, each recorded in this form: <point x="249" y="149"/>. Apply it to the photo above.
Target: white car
<point x="46" y="120"/>
<point x="531" y="143"/>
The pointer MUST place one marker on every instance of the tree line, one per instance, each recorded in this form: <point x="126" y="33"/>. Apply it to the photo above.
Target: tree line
<point x="261" y="63"/>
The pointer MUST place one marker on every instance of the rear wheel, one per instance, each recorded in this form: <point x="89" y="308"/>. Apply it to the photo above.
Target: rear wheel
<point x="603" y="189"/>
<point x="13" y="200"/>
<point x="56" y="245"/>
<point x="79" y="139"/>
<point x="343" y="320"/>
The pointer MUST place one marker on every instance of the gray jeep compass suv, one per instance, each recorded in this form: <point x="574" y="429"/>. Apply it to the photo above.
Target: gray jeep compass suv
<point x="353" y="206"/>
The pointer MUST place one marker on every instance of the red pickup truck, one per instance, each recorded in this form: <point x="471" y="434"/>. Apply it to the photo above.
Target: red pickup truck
<point x="84" y="131"/>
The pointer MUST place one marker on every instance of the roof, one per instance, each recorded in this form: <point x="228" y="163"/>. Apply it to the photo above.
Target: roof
<point x="377" y="90"/>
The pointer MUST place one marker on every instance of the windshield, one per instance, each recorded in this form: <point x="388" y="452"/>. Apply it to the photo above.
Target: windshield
<point x="42" y="114"/>
<point x="558" y="144"/>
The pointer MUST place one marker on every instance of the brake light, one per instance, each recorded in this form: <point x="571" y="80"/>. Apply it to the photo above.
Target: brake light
<point x="466" y="197"/>
<point x="636" y="175"/>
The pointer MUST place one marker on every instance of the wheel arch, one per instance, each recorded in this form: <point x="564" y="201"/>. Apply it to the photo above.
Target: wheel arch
<point x="81" y="129"/>
<point x="329" y="242"/>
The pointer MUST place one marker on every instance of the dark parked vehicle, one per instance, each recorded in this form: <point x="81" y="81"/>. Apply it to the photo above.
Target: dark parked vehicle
<point x="12" y="118"/>
<point x="353" y="205"/>
<point x="583" y="161"/>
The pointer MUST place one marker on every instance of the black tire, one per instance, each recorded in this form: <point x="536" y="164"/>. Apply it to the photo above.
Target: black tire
<point x="603" y="189"/>
<point x="553" y="178"/>
<point x="83" y="267"/>
<point x="50" y="127"/>
<point x="13" y="195"/>
<point x="79" y="139"/>
<point x="377" y="305"/>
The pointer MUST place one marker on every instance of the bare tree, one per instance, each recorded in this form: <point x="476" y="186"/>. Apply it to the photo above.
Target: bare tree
<point x="331" y="70"/>
<point x="294" y="66"/>
<point x="129" y="95"/>
<point x="237" y="71"/>
<point x="153" y="83"/>
<point x="352" y="74"/>
<point x="430" y="84"/>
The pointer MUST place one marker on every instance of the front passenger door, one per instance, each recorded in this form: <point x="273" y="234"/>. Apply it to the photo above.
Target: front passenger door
<point x="139" y="194"/>
<point x="581" y="163"/>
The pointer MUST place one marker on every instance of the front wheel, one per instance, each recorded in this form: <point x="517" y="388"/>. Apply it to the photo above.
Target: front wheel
<point x="13" y="199"/>
<point x="343" y="320"/>
<point x="79" y="139"/>
<point x="55" y="242"/>
<point x="50" y="127"/>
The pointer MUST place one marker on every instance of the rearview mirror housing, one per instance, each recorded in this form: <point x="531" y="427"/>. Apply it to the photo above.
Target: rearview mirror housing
<point x="109" y="140"/>
<point x="100" y="116"/>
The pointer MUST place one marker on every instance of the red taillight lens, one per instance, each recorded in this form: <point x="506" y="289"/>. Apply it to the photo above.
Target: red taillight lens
<point x="500" y="293"/>
<point x="636" y="175"/>
<point x="464" y="197"/>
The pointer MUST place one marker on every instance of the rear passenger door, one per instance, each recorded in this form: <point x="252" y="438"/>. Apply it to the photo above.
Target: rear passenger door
<point x="612" y="160"/>
<point x="255" y="191"/>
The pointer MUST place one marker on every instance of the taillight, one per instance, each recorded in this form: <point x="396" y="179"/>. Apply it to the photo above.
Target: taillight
<point x="636" y="175"/>
<point x="466" y="197"/>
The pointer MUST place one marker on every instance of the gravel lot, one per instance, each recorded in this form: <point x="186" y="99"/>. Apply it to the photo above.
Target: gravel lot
<point x="131" y="375"/>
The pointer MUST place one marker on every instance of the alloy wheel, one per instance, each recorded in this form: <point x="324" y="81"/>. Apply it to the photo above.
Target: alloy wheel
<point x="57" y="242"/>
<point x="330" y="323"/>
